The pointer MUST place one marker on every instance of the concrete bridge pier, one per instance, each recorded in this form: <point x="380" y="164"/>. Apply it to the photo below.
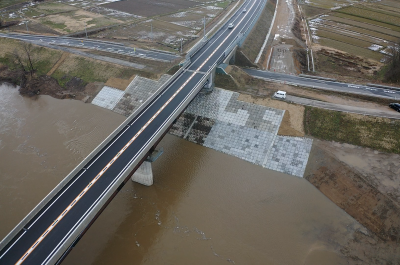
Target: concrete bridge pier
<point x="144" y="174"/>
<point x="210" y="83"/>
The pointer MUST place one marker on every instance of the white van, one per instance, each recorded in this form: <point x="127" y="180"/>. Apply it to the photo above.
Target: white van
<point x="280" y="94"/>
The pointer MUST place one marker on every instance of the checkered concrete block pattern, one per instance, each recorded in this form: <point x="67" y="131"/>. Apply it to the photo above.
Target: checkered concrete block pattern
<point x="220" y="121"/>
<point x="210" y="105"/>
<point x="224" y="106"/>
<point x="108" y="97"/>
<point x="289" y="155"/>
<point x="137" y="92"/>
<point x="246" y="143"/>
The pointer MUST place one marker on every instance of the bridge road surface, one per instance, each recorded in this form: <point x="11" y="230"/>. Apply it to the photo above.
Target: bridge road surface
<point x="324" y="84"/>
<point x="41" y="240"/>
<point x="96" y="45"/>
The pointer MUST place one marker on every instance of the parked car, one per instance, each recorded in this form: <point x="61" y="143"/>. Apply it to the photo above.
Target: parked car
<point x="231" y="26"/>
<point x="280" y="94"/>
<point x="395" y="106"/>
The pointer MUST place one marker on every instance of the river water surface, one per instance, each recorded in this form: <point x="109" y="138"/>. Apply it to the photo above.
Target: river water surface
<point x="205" y="207"/>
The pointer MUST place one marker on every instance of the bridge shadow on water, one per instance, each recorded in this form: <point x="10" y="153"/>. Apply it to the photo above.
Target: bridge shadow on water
<point x="133" y="221"/>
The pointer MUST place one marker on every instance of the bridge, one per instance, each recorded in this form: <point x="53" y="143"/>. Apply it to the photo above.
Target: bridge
<point x="49" y="232"/>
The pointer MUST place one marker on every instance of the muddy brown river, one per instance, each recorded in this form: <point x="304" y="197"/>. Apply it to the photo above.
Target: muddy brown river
<point x="205" y="207"/>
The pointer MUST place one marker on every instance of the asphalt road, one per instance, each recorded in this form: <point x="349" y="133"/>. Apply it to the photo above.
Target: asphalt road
<point x="324" y="84"/>
<point x="43" y="237"/>
<point x="95" y="45"/>
<point x="389" y="113"/>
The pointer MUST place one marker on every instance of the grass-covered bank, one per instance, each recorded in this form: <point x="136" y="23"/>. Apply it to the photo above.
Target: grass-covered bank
<point x="376" y="133"/>
<point x="255" y="39"/>
<point x="86" y="69"/>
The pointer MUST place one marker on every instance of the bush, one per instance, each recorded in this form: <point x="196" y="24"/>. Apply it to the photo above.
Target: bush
<point x="392" y="73"/>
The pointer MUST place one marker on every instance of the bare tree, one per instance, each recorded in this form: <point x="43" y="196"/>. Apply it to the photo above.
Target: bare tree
<point x="393" y="65"/>
<point x="27" y="47"/>
<point x="23" y="59"/>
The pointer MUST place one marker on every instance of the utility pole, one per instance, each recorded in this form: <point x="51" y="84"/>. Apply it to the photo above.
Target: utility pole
<point x="151" y="34"/>
<point x="86" y="32"/>
<point x="204" y="30"/>
<point x="181" y="45"/>
<point x="26" y="23"/>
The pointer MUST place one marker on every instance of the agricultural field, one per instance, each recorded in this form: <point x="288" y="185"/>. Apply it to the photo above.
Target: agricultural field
<point x="367" y="29"/>
<point x="76" y="21"/>
<point x="170" y="29"/>
<point x="144" y="23"/>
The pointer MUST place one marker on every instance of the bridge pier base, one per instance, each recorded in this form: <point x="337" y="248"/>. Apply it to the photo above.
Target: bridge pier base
<point x="209" y="86"/>
<point x="144" y="174"/>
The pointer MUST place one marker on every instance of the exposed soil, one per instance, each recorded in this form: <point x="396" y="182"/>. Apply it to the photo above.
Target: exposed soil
<point x="286" y="51"/>
<point x="118" y="82"/>
<point x="343" y="66"/>
<point x="46" y="85"/>
<point x="292" y="123"/>
<point x="365" y="184"/>
<point x="7" y="75"/>
<point x="34" y="27"/>
<point x="150" y="7"/>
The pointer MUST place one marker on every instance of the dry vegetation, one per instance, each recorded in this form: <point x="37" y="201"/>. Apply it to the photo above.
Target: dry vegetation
<point x="256" y="37"/>
<point x="376" y="133"/>
<point x="365" y="30"/>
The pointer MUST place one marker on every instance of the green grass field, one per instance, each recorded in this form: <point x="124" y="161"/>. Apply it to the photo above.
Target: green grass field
<point x="89" y="70"/>
<point x="376" y="133"/>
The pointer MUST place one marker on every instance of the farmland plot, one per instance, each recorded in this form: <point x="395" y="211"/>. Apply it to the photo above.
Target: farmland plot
<point x="375" y="30"/>
<point x="149" y="8"/>
<point x="76" y="21"/>
<point x="187" y="19"/>
<point x="351" y="49"/>
<point x="371" y="14"/>
<point x="367" y="21"/>
<point x="344" y="38"/>
<point x="361" y="33"/>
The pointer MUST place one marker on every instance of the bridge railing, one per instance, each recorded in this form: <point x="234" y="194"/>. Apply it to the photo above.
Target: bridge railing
<point x="200" y="44"/>
<point x="81" y="165"/>
<point x="134" y="164"/>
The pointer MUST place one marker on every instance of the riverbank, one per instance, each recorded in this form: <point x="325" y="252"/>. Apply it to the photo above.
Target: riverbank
<point x="64" y="75"/>
<point x="208" y="205"/>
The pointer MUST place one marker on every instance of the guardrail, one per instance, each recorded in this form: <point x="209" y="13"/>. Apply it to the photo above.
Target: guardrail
<point x="73" y="237"/>
<point x="200" y="44"/>
<point x="384" y="86"/>
<point x="318" y="77"/>
<point x="317" y="87"/>
<point x="251" y="25"/>
<point x="17" y="229"/>
<point x="79" y="167"/>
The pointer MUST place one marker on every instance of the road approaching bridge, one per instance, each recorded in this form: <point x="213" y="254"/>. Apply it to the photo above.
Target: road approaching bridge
<point x="325" y="84"/>
<point x="93" y="44"/>
<point x="51" y="230"/>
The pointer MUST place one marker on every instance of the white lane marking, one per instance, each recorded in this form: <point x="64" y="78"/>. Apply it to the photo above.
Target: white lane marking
<point x="61" y="216"/>
<point x="220" y="36"/>
<point x="119" y="174"/>
<point x="12" y="245"/>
